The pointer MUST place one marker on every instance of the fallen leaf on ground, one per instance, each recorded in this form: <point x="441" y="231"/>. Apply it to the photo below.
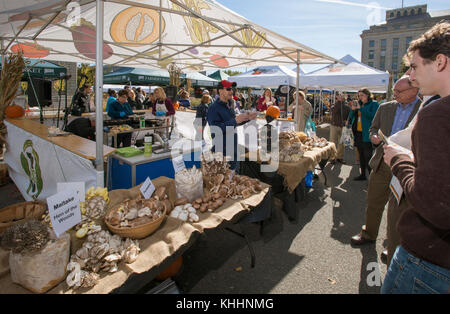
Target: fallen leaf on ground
<point x="333" y="282"/>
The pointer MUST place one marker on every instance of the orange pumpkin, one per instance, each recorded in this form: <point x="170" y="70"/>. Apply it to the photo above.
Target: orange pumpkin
<point x="176" y="105"/>
<point x="172" y="270"/>
<point x="273" y="111"/>
<point x="14" y="111"/>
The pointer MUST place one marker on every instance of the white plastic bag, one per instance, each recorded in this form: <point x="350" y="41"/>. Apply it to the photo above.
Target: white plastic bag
<point x="347" y="137"/>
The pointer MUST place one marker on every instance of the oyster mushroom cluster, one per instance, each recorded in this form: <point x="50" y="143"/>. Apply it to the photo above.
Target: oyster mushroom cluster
<point x="140" y="211"/>
<point x="316" y="142"/>
<point x="291" y="147"/>
<point x="101" y="251"/>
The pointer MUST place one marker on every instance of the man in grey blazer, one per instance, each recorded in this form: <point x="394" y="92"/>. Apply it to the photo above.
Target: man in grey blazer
<point x="390" y="118"/>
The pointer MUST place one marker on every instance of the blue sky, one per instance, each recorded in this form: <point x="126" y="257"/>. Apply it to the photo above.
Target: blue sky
<point x="332" y="27"/>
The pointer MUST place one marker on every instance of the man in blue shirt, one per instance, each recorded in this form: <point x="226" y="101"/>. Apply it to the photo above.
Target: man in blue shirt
<point x="390" y="118"/>
<point x="120" y="109"/>
<point x="223" y="122"/>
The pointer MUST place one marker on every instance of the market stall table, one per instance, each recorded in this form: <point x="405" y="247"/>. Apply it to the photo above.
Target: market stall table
<point x="158" y="250"/>
<point x="287" y="179"/>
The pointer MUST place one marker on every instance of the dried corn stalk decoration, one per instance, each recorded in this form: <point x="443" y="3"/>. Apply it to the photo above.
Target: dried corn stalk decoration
<point x="174" y="72"/>
<point x="9" y="83"/>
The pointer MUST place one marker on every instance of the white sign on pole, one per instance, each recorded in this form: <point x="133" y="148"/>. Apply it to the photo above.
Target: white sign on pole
<point x="64" y="210"/>
<point x="73" y="186"/>
<point x="147" y="188"/>
<point x="178" y="163"/>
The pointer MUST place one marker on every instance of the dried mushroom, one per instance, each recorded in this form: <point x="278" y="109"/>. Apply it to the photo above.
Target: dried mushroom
<point x="30" y="236"/>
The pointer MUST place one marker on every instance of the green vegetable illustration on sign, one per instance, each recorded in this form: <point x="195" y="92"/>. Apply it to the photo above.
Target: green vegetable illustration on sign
<point x="30" y="164"/>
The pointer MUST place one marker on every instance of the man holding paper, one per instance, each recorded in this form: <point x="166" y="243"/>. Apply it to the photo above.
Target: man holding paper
<point x="421" y="264"/>
<point x="390" y="118"/>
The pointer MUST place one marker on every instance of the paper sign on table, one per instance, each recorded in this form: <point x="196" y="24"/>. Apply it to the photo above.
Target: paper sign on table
<point x="396" y="188"/>
<point x="75" y="186"/>
<point x="64" y="210"/>
<point x="178" y="163"/>
<point x="147" y="188"/>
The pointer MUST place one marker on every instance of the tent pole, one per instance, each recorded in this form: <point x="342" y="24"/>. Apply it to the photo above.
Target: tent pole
<point x="297" y="83"/>
<point x="3" y="52"/>
<point x="99" y="95"/>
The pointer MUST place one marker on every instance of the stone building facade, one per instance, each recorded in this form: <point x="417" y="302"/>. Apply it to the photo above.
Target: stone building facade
<point x="385" y="44"/>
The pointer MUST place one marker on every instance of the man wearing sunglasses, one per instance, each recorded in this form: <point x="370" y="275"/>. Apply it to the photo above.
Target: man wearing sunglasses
<point x="390" y="118"/>
<point x="223" y="122"/>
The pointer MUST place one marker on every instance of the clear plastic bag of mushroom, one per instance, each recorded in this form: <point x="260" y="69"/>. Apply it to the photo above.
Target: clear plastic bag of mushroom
<point x="189" y="183"/>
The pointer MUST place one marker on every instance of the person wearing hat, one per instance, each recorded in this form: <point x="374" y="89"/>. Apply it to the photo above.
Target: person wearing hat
<point x="221" y="116"/>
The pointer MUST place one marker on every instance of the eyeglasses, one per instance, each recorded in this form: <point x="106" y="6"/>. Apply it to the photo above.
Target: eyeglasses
<point x="396" y="91"/>
<point x="229" y="89"/>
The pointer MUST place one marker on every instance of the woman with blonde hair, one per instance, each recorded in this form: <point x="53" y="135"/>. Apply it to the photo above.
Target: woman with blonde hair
<point x="162" y="105"/>
<point x="302" y="111"/>
<point x="266" y="100"/>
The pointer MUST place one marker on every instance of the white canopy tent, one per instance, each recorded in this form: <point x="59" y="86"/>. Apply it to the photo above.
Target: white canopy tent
<point x="351" y="76"/>
<point x="196" y="35"/>
<point x="268" y="76"/>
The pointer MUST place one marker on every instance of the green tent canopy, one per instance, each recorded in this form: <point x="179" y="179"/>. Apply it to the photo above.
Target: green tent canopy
<point x="38" y="68"/>
<point x="219" y="75"/>
<point x="137" y="77"/>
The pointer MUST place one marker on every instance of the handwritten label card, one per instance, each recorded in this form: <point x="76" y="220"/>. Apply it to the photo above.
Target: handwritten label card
<point x="147" y="188"/>
<point x="178" y="163"/>
<point x="64" y="210"/>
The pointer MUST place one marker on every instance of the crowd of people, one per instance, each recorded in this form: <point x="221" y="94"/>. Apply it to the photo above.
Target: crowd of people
<point x="415" y="123"/>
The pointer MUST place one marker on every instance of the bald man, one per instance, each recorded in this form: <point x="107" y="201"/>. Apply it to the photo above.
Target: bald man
<point x="390" y="118"/>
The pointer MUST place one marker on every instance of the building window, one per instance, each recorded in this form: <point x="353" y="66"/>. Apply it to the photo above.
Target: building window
<point x="371" y="54"/>
<point x="382" y="65"/>
<point x="370" y="64"/>
<point x="395" y="52"/>
<point x="398" y="14"/>
<point x="392" y="14"/>
<point x="408" y="41"/>
<point x="405" y="13"/>
<point x="419" y="11"/>
<point x="371" y="43"/>
<point x="394" y="65"/>
<point x="395" y="42"/>
<point x="396" y="27"/>
<point x="383" y="43"/>
<point x="413" y="12"/>
<point x="383" y="53"/>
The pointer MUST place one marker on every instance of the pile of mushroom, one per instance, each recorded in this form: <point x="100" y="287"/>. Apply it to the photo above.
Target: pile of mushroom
<point x="291" y="148"/>
<point x="184" y="211"/>
<point x="214" y="164"/>
<point x="140" y="211"/>
<point x="101" y="251"/>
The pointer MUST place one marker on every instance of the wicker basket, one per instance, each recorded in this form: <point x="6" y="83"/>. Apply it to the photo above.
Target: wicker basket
<point x="18" y="213"/>
<point x="138" y="232"/>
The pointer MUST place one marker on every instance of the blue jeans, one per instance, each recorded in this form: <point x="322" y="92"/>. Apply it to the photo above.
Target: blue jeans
<point x="408" y="274"/>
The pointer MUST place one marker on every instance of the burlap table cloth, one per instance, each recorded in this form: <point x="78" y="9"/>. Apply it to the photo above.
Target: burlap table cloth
<point x="294" y="172"/>
<point x="169" y="237"/>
